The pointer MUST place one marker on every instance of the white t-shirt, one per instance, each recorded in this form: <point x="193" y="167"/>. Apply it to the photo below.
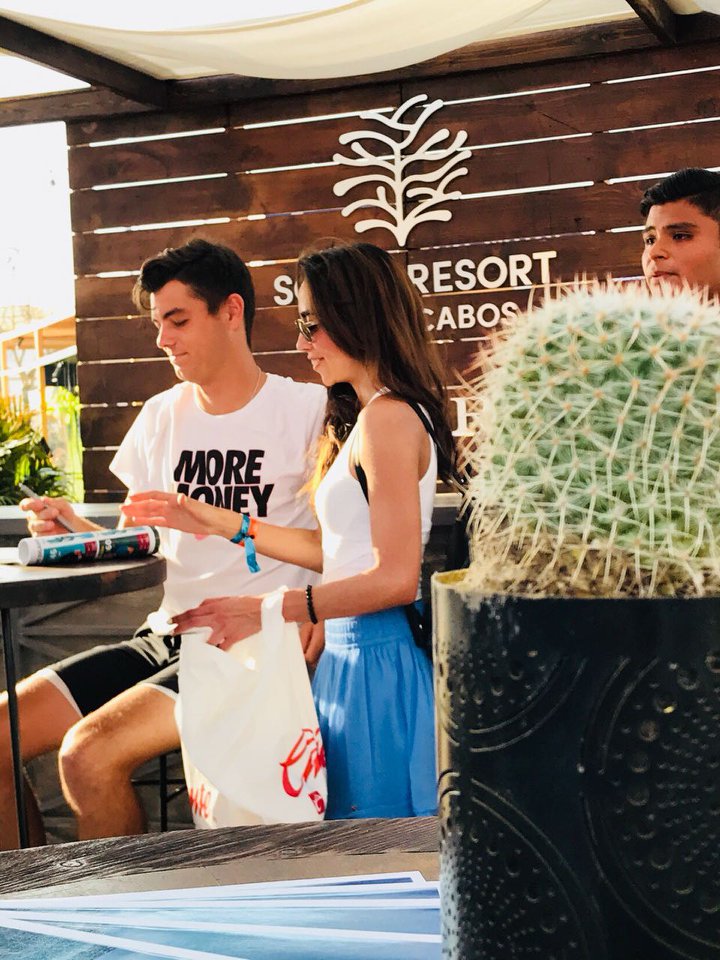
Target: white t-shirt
<point x="254" y="460"/>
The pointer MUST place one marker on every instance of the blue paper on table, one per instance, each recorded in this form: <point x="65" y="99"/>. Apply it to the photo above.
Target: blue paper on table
<point x="121" y="543"/>
<point x="364" y="918"/>
<point x="397" y="916"/>
<point x="388" y="885"/>
<point x="268" y="944"/>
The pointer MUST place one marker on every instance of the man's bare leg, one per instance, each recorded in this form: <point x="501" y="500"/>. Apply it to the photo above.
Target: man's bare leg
<point x="45" y="716"/>
<point x="100" y="753"/>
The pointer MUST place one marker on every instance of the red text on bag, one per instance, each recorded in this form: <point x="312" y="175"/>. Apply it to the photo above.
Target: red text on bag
<point x="306" y="759"/>
<point x="199" y="800"/>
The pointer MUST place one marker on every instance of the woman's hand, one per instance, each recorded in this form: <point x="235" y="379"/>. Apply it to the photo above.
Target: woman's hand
<point x="230" y="619"/>
<point x="174" y="510"/>
<point x="312" y="638"/>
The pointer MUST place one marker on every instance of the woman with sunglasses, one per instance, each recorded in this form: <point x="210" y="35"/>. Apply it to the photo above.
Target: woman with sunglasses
<point x="363" y="330"/>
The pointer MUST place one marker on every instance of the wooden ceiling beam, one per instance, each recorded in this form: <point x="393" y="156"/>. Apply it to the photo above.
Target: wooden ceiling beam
<point x="658" y="17"/>
<point x="82" y="64"/>
<point x="696" y="27"/>
<point x="88" y="104"/>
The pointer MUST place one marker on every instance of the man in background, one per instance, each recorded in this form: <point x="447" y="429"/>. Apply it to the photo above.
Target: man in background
<point x="682" y="231"/>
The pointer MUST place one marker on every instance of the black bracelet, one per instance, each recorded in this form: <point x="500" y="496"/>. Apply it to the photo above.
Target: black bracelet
<point x="310" y="605"/>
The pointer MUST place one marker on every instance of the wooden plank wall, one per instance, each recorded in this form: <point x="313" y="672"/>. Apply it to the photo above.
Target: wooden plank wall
<point x="584" y="137"/>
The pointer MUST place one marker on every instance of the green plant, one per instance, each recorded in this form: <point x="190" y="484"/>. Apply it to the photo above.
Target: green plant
<point x="64" y="437"/>
<point x="597" y="457"/>
<point x="24" y="457"/>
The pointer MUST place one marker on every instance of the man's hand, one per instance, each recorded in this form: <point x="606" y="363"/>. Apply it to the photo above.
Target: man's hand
<point x="312" y="638"/>
<point x="42" y="511"/>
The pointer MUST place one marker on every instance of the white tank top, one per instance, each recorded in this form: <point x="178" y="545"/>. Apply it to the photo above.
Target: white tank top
<point x="344" y="514"/>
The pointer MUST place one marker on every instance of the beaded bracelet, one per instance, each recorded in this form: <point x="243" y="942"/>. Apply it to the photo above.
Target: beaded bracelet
<point x="244" y="538"/>
<point x="310" y="604"/>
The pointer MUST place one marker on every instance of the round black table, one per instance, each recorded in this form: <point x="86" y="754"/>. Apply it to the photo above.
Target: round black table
<point x="30" y="586"/>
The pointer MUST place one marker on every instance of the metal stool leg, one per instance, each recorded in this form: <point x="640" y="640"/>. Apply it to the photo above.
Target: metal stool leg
<point x="168" y="787"/>
<point x="11" y="679"/>
<point x="163" y="793"/>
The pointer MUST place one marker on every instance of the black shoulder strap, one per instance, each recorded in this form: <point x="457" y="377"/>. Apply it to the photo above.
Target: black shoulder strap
<point x="427" y="423"/>
<point x="424" y="419"/>
<point x="361" y="479"/>
<point x="360" y="473"/>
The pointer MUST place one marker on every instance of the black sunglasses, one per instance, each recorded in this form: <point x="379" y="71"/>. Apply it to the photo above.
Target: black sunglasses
<point x="305" y="329"/>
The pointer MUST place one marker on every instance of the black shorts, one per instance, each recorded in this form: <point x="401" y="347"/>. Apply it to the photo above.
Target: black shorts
<point x="92" y="678"/>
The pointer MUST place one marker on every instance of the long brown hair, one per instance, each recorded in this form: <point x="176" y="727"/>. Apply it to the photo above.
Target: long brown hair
<point x="368" y="306"/>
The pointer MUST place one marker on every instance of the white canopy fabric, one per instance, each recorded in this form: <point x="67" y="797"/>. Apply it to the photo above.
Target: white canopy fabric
<point x="303" y="39"/>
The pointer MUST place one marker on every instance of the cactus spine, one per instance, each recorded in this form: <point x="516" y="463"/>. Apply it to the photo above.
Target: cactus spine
<point x="596" y="459"/>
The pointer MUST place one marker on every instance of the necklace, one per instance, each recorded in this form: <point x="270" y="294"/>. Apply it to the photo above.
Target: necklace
<point x="256" y="387"/>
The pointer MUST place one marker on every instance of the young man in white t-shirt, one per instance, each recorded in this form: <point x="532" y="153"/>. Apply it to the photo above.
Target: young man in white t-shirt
<point x="228" y="433"/>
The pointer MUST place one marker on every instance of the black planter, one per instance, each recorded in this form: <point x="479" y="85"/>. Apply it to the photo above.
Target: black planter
<point x="579" y="758"/>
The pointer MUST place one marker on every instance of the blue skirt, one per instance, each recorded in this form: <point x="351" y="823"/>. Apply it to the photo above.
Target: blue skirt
<point x="374" y="698"/>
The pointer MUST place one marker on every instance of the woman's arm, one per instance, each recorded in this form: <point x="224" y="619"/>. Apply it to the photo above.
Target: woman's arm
<point x="289" y="544"/>
<point x="394" y="450"/>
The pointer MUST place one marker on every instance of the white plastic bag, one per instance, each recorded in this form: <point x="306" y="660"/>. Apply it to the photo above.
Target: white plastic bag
<point x="251" y="746"/>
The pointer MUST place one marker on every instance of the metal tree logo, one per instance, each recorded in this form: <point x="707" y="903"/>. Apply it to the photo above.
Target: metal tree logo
<point x="394" y="184"/>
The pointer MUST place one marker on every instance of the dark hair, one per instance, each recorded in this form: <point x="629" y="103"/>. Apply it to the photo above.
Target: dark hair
<point x="698" y="186"/>
<point x="211" y="270"/>
<point x="368" y="306"/>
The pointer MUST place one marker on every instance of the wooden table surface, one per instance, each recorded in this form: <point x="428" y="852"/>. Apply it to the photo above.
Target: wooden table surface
<point x="22" y="586"/>
<point x="188" y="858"/>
